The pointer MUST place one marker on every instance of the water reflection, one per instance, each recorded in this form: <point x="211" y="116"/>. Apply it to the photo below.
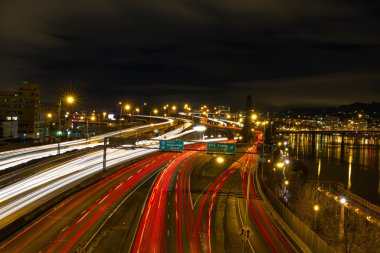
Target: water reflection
<point x="355" y="163"/>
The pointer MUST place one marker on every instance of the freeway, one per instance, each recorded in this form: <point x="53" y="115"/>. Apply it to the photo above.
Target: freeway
<point x="220" y="218"/>
<point x="9" y="159"/>
<point x="168" y="213"/>
<point x="26" y="195"/>
<point x="191" y="204"/>
<point x="72" y="223"/>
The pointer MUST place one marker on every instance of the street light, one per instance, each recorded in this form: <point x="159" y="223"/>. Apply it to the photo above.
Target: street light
<point x="343" y="202"/>
<point x="163" y="110"/>
<point x="68" y="100"/>
<point x="143" y="108"/>
<point x="280" y="165"/>
<point x="92" y="119"/>
<point x="49" y="116"/>
<point x="316" y="209"/>
<point x="127" y="107"/>
<point x="155" y="111"/>
<point x="220" y="159"/>
<point x="200" y="129"/>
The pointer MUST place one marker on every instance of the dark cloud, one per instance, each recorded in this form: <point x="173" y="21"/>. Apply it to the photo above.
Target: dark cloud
<point x="281" y="52"/>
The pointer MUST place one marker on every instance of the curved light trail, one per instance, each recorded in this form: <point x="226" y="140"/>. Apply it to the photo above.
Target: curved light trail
<point x="22" y="197"/>
<point x="12" y="158"/>
<point x="118" y="183"/>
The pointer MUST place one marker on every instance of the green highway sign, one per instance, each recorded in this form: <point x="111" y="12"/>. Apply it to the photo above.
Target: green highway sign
<point x="171" y="145"/>
<point x="221" y="147"/>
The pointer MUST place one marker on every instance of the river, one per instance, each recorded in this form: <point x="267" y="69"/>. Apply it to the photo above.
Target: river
<point x="357" y="167"/>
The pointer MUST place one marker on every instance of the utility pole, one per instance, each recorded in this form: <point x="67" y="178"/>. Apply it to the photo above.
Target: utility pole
<point x="105" y="153"/>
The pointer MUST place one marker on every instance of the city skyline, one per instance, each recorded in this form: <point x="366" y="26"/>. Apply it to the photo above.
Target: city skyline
<point x="319" y="53"/>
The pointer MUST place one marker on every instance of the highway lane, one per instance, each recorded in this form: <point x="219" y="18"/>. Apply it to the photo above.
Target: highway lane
<point x="16" y="157"/>
<point x="185" y="237"/>
<point x="265" y="236"/>
<point x="167" y="223"/>
<point x="12" y="176"/>
<point x="73" y="222"/>
<point x="151" y="234"/>
<point x="170" y="224"/>
<point x="206" y="215"/>
<point x="28" y="194"/>
<point x="218" y="220"/>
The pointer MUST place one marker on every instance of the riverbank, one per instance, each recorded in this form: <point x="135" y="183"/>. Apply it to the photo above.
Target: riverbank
<point x="321" y="210"/>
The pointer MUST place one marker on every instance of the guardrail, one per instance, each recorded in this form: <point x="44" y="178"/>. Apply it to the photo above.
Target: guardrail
<point x="339" y="188"/>
<point x="311" y="239"/>
<point x="372" y="207"/>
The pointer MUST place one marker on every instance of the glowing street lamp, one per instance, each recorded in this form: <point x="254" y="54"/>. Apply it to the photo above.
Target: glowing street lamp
<point x="343" y="202"/>
<point x="200" y="129"/>
<point x="280" y="165"/>
<point x="163" y="110"/>
<point x="155" y="111"/>
<point x="316" y="209"/>
<point x="220" y="159"/>
<point x="68" y="100"/>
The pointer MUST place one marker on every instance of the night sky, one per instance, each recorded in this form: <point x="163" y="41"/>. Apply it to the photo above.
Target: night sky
<point x="282" y="53"/>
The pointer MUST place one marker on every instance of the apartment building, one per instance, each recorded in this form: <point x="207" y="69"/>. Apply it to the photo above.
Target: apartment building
<point x="22" y="107"/>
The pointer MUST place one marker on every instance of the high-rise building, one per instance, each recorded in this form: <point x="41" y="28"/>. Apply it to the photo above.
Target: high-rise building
<point x="22" y="106"/>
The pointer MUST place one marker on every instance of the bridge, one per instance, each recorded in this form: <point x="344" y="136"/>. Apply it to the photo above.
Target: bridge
<point x="355" y="134"/>
<point x="331" y="132"/>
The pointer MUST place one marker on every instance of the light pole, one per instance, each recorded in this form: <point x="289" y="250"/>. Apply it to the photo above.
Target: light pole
<point x="343" y="202"/>
<point x="86" y="128"/>
<point x="200" y="129"/>
<point x="104" y="119"/>
<point x="69" y="100"/>
<point x="155" y="111"/>
<point x="245" y="229"/>
<point x="316" y="209"/>
<point x="127" y="107"/>
<point x="163" y="111"/>
<point x="174" y="108"/>
<point x="143" y="108"/>
<point x="50" y="132"/>
<point x="121" y="108"/>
